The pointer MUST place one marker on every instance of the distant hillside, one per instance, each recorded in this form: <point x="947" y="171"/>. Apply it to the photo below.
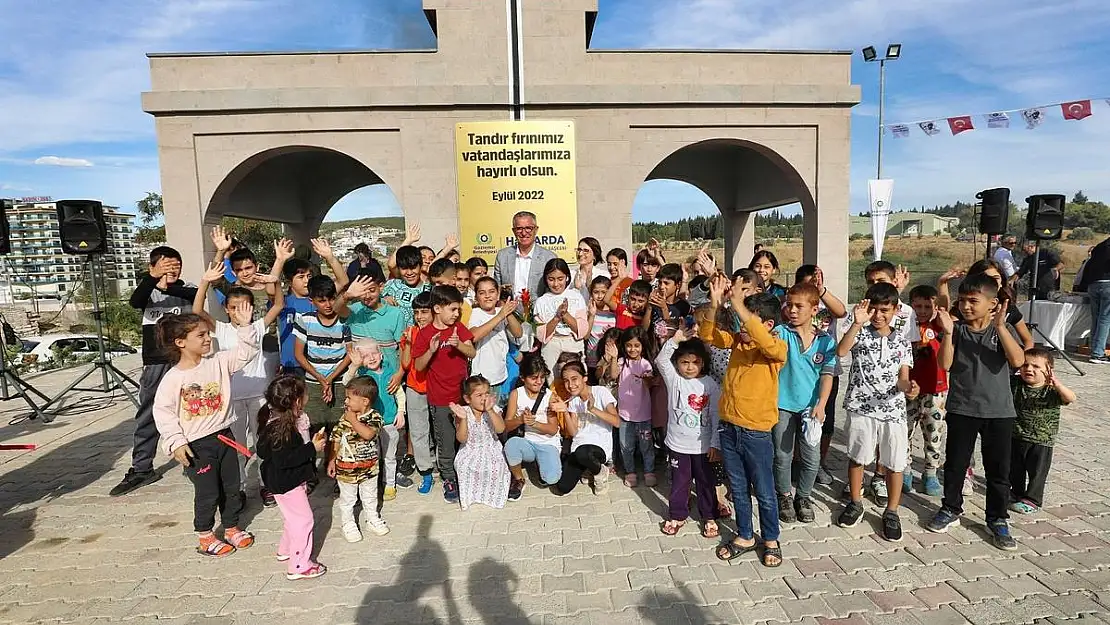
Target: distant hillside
<point x="329" y="227"/>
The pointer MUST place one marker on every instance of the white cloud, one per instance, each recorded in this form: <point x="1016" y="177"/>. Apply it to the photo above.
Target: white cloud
<point x="59" y="161"/>
<point x="14" y="186"/>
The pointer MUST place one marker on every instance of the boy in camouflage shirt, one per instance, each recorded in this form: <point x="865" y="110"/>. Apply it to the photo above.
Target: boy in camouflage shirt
<point x="1038" y="395"/>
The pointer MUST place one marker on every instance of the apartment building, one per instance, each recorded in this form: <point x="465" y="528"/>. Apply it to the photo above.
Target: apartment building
<point x="38" y="268"/>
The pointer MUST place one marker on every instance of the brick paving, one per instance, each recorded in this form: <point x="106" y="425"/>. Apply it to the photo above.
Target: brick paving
<point x="71" y="554"/>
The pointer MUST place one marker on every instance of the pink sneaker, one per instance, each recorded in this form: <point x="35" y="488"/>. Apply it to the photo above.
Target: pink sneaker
<point x="968" y="477"/>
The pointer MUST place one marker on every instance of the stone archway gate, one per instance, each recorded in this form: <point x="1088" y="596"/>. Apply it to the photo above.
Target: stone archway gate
<point x="219" y="115"/>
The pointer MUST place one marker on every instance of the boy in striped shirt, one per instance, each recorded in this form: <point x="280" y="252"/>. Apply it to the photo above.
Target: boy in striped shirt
<point x="321" y="351"/>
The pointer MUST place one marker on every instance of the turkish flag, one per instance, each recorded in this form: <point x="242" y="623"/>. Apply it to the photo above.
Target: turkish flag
<point x="1076" y="110"/>
<point x="960" y="124"/>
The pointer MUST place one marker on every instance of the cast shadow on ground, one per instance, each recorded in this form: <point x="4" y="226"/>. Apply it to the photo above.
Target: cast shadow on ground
<point x="425" y="577"/>
<point x="675" y="609"/>
<point x="62" y="470"/>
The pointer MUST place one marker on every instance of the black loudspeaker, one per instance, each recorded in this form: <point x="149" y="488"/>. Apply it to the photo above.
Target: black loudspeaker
<point x="81" y="226"/>
<point x="995" y="212"/>
<point x="5" y="231"/>
<point x="1045" y="220"/>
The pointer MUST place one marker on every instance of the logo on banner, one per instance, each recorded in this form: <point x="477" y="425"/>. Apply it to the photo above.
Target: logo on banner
<point x="929" y="128"/>
<point x="998" y="120"/>
<point x="900" y="131"/>
<point x="1032" y="117"/>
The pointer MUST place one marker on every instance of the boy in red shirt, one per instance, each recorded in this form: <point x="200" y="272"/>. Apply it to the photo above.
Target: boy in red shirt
<point x="928" y="408"/>
<point x="444" y="348"/>
<point x="631" y="314"/>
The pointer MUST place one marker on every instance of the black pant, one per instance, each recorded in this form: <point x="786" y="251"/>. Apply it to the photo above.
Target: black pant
<point x="996" y="435"/>
<point x="1029" y="465"/>
<point x="443" y="432"/>
<point x="828" y="428"/>
<point x="146" y="433"/>
<point x="585" y="459"/>
<point x="214" y="473"/>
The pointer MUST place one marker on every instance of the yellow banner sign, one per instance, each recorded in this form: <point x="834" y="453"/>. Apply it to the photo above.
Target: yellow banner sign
<point x="506" y="167"/>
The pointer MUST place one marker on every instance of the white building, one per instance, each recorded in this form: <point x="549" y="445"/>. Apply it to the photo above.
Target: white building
<point x="37" y="266"/>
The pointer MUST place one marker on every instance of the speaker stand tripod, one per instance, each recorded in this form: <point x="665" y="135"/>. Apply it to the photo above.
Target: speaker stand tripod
<point x="13" y="386"/>
<point x="1035" y="327"/>
<point x="118" y="379"/>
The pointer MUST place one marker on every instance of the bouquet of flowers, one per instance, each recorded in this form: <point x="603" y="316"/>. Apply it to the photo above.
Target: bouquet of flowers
<point x="527" y="321"/>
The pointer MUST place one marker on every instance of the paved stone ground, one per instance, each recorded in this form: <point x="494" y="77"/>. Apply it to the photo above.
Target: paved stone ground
<point x="71" y="554"/>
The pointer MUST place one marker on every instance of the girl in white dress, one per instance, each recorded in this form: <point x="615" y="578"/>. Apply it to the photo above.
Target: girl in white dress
<point x="480" y="462"/>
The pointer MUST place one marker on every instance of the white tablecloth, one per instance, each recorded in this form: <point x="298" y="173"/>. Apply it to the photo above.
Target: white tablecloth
<point x="1067" y="324"/>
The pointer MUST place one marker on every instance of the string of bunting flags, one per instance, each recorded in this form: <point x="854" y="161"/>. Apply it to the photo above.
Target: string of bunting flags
<point x="1033" y="117"/>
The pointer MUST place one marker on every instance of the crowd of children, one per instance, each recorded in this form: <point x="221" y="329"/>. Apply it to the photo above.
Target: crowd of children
<point x="387" y="381"/>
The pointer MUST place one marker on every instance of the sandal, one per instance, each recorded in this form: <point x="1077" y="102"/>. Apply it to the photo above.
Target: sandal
<point x="315" y="570"/>
<point x="240" y="539"/>
<point x="670" y="528"/>
<point x="723" y="511"/>
<point x="709" y="529"/>
<point x="731" y="550"/>
<point x="772" y="552"/>
<point x="216" y="548"/>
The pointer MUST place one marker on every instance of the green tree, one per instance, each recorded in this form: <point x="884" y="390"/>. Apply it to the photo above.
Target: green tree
<point x="257" y="235"/>
<point x="1079" y="198"/>
<point x="150" y="208"/>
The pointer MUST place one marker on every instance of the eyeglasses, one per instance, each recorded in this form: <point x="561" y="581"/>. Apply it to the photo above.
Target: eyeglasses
<point x="584" y="250"/>
<point x="523" y="228"/>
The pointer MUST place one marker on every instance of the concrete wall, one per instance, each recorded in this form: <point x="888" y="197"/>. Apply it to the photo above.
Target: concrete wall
<point x="242" y="134"/>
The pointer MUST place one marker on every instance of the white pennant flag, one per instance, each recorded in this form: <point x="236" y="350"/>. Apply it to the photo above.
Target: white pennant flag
<point x="900" y="131"/>
<point x="878" y="196"/>
<point x="998" y="120"/>
<point x="929" y="127"/>
<point x="1108" y="100"/>
<point x="1032" y="117"/>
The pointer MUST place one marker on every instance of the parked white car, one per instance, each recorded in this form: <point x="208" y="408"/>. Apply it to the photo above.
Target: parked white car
<point x="43" y="348"/>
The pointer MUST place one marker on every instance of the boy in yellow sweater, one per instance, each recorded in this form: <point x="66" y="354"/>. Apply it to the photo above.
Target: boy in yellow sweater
<point x="748" y="411"/>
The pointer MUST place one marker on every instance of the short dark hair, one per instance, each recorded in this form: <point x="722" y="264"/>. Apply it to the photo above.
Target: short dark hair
<point x="595" y="248"/>
<point x="408" y="257"/>
<point x="602" y="280"/>
<point x="882" y="294"/>
<point x="423" y="301"/>
<point x="880" y="266"/>
<point x="923" y="291"/>
<point x="439" y="267"/>
<point x="1040" y="352"/>
<point x="241" y="254"/>
<point x="373" y="271"/>
<point x="445" y="295"/>
<point x="979" y="283"/>
<point x="644" y="257"/>
<point x="476" y="261"/>
<point x="748" y="275"/>
<point x="237" y="291"/>
<point x="805" y="272"/>
<point x="483" y="279"/>
<point x="619" y="253"/>
<point x="363" y="386"/>
<point x="321" y="287"/>
<point x="672" y="272"/>
<point x="532" y="363"/>
<point x="765" y="306"/>
<point x="362" y="248"/>
<point x="462" y="267"/>
<point x="692" y="347"/>
<point x="425" y="248"/>
<point x="640" y="287"/>
<point x="163" y="251"/>
<point x="295" y="266"/>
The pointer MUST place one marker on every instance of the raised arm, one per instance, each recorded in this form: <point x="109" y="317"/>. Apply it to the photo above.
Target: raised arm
<point x="450" y="244"/>
<point x="707" y="329"/>
<point x="412" y="235"/>
<point x="947" y="345"/>
<point x="323" y="249"/>
<point x="214" y="273"/>
<point x="860" y="317"/>
<point x="241" y="314"/>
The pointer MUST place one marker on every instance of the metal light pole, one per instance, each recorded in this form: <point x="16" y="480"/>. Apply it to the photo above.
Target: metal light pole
<point x="870" y="55"/>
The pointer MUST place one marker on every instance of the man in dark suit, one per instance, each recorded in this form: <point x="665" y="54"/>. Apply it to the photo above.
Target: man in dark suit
<point x="522" y="264"/>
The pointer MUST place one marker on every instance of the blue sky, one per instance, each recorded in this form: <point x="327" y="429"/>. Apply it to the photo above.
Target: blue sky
<point x="71" y="73"/>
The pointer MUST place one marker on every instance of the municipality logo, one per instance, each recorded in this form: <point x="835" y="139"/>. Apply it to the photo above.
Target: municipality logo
<point x="484" y="238"/>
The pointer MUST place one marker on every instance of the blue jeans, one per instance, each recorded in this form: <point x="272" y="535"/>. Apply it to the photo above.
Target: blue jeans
<point x="749" y="457"/>
<point x="637" y="434"/>
<point x="787" y="433"/>
<point x="519" y="450"/>
<point x="1099" y="296"/>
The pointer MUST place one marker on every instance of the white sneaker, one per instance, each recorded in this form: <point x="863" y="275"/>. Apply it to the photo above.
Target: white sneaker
<point x="601" y="480"/>
<point x="351" y="533"/>
<point x="377" y="526"/>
